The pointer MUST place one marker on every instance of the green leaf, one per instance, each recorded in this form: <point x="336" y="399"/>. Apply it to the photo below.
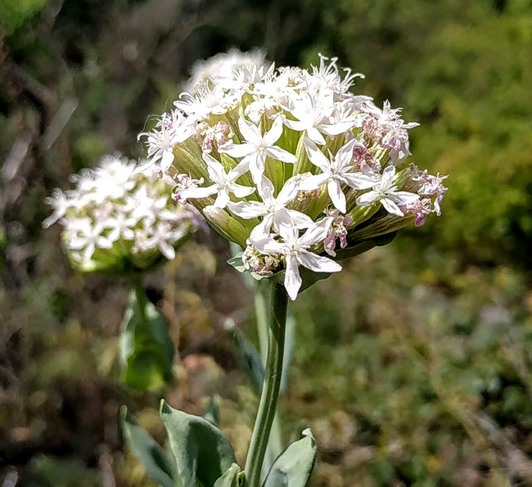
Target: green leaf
<point x="293" y="467"/>
<point x="202" y="452"/>
<point x="154" y="459"/>
<point x="238" y="264"/>
<point x="212" y="412"/>
<point x="250" y="359"/>
<point x="233" y="477"/>
<point x="146" y="348"/>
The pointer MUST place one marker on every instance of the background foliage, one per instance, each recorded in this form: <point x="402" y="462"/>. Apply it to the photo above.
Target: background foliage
<point x="412" y="367"/>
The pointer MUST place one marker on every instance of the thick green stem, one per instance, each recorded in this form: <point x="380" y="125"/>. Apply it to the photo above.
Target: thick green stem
<point x="272" y="384"/>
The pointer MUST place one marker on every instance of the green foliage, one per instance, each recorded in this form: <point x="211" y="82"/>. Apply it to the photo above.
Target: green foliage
<point x="154" y="459"/>
<point x="13" y="13"/>
<point x="202" y="453"/>
<point x="48" y="472"/>
<point x="146" y="348"/>
<point x="233" y="477"/>
<point x="293" y="467"/>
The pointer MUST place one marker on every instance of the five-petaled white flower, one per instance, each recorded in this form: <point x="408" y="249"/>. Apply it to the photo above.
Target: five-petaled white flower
<point x="386" y="192"/>
<point x="296" y="253"/>
<point x="272" y="208"/>
<point x="224" y="184"/>
<point x="258" y="147"/>
<point x="337" y="170"/>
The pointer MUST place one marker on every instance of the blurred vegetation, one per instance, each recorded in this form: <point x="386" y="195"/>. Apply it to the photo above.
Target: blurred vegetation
<point x="413" y="366"/>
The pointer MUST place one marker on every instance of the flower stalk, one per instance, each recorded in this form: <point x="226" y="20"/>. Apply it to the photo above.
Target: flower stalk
<point x="272" y="384"/>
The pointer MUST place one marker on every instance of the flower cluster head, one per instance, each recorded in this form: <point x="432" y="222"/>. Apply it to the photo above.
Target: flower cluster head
<point x="118" y="219"/>
<point x="292" y="166"/>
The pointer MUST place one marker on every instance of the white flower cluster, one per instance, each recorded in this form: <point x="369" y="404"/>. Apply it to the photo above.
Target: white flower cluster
<point x="290" y="165"/>
<point x="118" y="219"/>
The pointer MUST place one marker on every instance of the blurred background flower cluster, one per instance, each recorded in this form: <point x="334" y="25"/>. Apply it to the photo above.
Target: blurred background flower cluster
<point x="413" y="366"/>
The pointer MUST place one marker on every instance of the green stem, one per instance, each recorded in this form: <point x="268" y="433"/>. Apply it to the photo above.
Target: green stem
<point x="272" y="384"/>
<point x="275" y="443"/>
<point x="140" y="294"/>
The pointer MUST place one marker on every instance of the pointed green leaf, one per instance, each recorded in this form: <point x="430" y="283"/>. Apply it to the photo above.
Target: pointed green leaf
<point x="293" y="467"/>
<point x="202" y="452"/>
<point x="146" y="348"/>
<point x="154" y="459"/>
<point x="233" y="477"/>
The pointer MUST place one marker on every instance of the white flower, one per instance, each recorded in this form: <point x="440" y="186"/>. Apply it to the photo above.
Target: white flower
<point x="171" y="129"/>
<point x="224" y="184"/>
<point x="88" y="238"/>
<point x="60" y="203"/>
<point x="295" y="251"/>
<point x="386" y="192"/>
<point x="272" y="209"/>
<point x="205" y="101"/>
<point x="161" y="236"/>
<point x="258" y="147"/>
<point x="313" y="116"/>
<point x="225" y="67"/>
<point x="120" y="225"/>
<point x="327" y="77"/>
<point x="335" y="172"/>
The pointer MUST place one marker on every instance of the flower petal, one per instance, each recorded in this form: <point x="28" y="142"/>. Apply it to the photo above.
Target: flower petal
<point x="391" y="207"/>
<point x="317" y="263"/>
<point x="238" y="150"/>
<point x="281" y="155"/>
<point x="313" y="182"/>
<point x="222" y="199"/>
<point x="250" y="131"/>
<point x="336" y="194"/>
<point x="317" y="233"/>
<point x="274" y="134"/>
<point x="316" y="156"/>
<point x="292" y="278"/>
<point x="241" y="191"/>
<point x="368" y="198"/>
<point x="247" y="210"/>
<point x="198" y="192"/>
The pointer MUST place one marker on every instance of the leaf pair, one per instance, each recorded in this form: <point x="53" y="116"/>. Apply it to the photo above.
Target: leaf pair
<point x="199" y="453"/>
